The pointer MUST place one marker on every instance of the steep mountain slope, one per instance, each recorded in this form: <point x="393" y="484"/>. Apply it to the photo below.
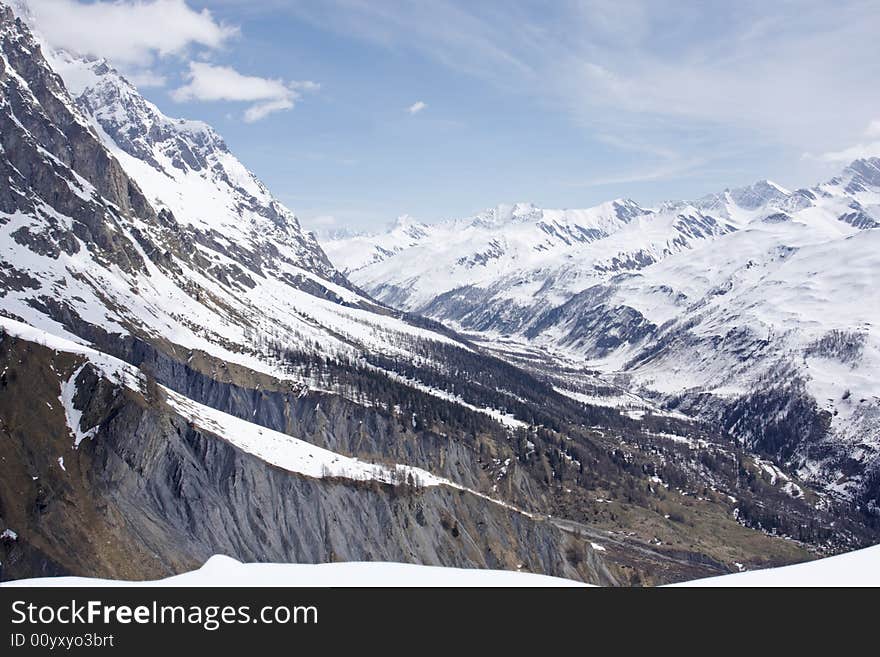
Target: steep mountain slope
<point x="185" y="167"/>
<point x="183" y="373"/>
<point x="754" y="309"/>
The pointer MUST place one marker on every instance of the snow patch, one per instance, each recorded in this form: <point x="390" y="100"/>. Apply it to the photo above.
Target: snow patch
<point x="858" y="568"/>
<point x="73" y="415"/>
<point x="222" y="571"/>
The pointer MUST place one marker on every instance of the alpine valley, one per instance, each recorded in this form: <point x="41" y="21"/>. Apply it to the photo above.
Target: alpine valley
<point x="618" y="395"/>
<point x="755" y="310"/>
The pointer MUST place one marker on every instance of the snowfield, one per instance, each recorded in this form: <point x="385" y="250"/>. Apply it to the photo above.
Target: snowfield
<point x="859" y="568"/>
<point x="225" y="571"/>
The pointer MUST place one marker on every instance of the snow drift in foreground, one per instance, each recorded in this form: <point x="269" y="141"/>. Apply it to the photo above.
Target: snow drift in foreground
<point x="859" y="568"/>
<point x="226" y="571"/>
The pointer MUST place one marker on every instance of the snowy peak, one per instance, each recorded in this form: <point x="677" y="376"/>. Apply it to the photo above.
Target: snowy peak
<point x="351" y="252"/>
<point x="624" y="209"/>
<point x="506" y="214"/>
<point x="743" y="203"/>
<point x="500" y="269"/>
<point x="185" y="168"/>
<point x="135" y="124"/>
<point x="605" y="217"/>
<point x="863" y="175"/>
<point x="518" y="251"/>
<point x="406" y="226"/>
<point x="759" y="194"/>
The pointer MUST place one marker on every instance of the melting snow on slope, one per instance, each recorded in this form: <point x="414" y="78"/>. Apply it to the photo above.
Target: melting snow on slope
<point x="505" y="419"/>
<point x="73" y="415"/>
<point x="293" y="454"/>
<point x="301" y="457"/>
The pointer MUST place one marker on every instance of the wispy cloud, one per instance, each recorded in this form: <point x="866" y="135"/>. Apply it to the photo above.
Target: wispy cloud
<point x="465" y="36"/>
<point x="763" y="73"/>
<point x="207" y="82"/>
<point x="416" y="107"/>
<point x="870" y="148"/>
<point x="665" y="171"/>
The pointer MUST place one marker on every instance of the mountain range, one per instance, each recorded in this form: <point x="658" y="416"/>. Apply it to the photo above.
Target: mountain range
<point x="755" y="309"/>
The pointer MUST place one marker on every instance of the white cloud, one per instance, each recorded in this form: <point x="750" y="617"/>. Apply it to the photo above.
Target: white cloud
<point x="207" y="82"/>
<point x="129" y="33"/>
<point x="859" y="151"/>
<point x="743" y="77"/>
<point x="133" y="34"/>
<point x="416" y="107"/>
<point x="144" y="78"/>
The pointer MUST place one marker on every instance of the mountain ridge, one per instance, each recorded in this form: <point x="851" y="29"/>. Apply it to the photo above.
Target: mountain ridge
<point x="653" y="300"/>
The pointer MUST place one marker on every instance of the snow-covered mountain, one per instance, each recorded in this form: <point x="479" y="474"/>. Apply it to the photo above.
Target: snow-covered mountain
<point x="755" y="308"/>
<point x="356" y="251"/>
<point x="185" y="167"/>
<point x="200" y="253"/>
<point x="183" y="373"/>
<point x="493" y="271"/>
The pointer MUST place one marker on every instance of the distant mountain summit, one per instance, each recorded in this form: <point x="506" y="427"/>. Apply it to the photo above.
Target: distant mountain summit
<point x="725" y="307"/>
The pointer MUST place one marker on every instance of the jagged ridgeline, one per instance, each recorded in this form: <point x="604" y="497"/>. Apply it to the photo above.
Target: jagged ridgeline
<point x="184" y="373"/>
<point x="753" y="309"/>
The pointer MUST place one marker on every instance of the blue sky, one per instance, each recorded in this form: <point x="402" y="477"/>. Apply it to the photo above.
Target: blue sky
<point x="356" y="111"/>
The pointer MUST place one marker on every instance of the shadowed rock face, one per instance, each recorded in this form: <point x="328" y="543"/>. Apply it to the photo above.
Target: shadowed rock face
<point x="149" y="495"/>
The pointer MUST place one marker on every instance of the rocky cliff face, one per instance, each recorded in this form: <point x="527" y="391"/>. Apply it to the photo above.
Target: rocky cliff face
<point x="149" y="494"/>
